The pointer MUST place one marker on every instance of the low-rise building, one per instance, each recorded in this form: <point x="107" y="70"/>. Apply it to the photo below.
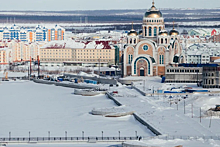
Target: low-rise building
<point x="183" y="74"/>
<point x="211" y="76"/>
<point x="197" y="57"/>
<point x="70" y="52"/>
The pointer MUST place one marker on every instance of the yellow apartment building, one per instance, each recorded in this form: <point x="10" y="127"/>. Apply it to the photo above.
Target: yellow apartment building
<point x="77" y="53"/>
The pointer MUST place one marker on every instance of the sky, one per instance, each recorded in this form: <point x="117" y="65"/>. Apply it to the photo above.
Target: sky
<point x="61" y="5"/>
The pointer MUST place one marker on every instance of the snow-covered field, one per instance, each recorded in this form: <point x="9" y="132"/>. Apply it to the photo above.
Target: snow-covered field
<point x="38" y="108"/>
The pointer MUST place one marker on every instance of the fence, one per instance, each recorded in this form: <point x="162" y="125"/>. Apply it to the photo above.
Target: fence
<point x="61" y="139"/>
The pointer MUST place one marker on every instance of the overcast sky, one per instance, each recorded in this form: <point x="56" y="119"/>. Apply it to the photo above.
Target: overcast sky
<point x="60" y="5"/>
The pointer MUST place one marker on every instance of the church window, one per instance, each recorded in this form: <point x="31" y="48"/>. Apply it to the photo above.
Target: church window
<point x="161" y="40"/>
<point x="145" y="47"/>
<point x="166" y="41"/>
<point x="130" y="58"/>
<point x="130" y="41"/>
<point x="145" y="31"/>
<point x="150" y="31"/>
<point x="134" y="41"/>
<point x="155" y="31"/>
<point x="161" y="59"/>
<point x="150" y="20"/>
<point x="159" y="29"/>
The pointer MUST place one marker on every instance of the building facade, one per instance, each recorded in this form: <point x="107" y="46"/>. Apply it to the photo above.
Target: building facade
<point x="211" y="76"/>
<point x="5" y="56"/>
<point x="148" y="54"/>
<point x="197" y="57"/>
<point x="32" y="34"/>
<point x="77" y="53"/>
<point x="183" y="75"/>
<point x="18" y="51"/>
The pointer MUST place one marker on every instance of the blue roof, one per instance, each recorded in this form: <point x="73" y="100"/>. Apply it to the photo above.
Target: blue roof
<point x="198" y="65"/>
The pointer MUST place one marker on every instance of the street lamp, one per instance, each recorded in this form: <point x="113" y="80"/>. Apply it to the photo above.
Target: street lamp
<point x="83" y="135"/>
<point x="102" y="135"/>
<point x="136" y="133"/>
<point x="48" y="135"/>
<point x="66" y="135"/>
<point x="119" y="134"/>
<point x="29" y="135"/>
<point x="9" y="136"/>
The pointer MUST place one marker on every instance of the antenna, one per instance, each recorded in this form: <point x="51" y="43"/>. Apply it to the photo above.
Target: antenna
<point x="173" y="25"/>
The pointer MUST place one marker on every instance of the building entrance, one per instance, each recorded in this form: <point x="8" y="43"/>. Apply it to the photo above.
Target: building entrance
<point x="142" y="72"/>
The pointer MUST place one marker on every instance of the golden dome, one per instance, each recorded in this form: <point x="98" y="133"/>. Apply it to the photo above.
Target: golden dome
<point x="173" y="32"/>
<point x="153" y="12"/>
<point x="132" y="33"/>
<point x="163" y="33"/>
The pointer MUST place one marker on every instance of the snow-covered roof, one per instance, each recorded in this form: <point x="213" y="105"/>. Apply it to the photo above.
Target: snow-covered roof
<point x="105" y="69"/>
<point x="217" y="61"/>
<point x="62" y="44"/>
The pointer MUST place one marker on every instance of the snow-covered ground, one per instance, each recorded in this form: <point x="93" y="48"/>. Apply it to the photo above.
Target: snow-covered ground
<point x="167" y="114"/>
<point x="27" y="106"/>
<point x="38" y="108"/>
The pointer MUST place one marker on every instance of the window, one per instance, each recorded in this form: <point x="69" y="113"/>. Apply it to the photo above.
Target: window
<point x="161" y="59"/>
<point x="159" y="29"/>
<point x="150" y="31"/>
<point x="145" y="47"/>
<point x="130" y="58"/>
<point x="155" y="31"/>
<point x="145" y="29"/>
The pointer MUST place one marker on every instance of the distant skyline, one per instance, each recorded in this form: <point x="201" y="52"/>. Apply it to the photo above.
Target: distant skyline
<point x="57" y="5"/>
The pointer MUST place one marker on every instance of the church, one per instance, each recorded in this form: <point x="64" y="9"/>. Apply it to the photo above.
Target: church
<point x="149" y="52"/>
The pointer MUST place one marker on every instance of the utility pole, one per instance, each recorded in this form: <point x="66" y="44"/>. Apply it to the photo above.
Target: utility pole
<point x="200" y="115"/>
<point x="210" y="123"/>
<point x="153" y="91"/>
<point x="99" y="70"/>
<point x="38" y="62"/>
<point x="30" y="66"/>
<point x="184" y="107"/>
<point x="177" y="105"/>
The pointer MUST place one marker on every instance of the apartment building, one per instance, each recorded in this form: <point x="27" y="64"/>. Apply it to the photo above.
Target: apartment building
<point x="32" y="34"/>
<point x="18" y="51"/>
<point x="5" y="55"/>
<point x="77" y="53"/>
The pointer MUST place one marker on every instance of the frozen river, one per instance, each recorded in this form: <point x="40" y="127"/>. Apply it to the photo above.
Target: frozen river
<point x="37" y="108"/>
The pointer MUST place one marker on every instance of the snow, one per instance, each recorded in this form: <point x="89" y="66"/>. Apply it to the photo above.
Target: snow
<point x="169" y="143"/>
<point x="39" y="108"/>
<point x="78" y="44"/>
<point x="165" y="115"/>
<point x="57" y="110"/>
